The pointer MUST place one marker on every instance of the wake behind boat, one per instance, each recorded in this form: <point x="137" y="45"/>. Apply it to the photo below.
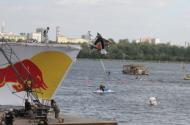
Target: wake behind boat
<point x="102" y="92"/>
<point x="102" y="89"/>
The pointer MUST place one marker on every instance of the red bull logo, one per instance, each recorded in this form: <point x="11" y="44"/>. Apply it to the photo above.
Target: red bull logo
<point x="30" y="74"/>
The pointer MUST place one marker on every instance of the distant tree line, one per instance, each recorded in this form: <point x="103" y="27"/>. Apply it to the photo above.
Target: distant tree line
<point x="139" y="51"/>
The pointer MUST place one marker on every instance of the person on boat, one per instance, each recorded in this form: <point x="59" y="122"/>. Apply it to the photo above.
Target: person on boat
<point x="102" y="87"/>
<point x="55" y="107"/>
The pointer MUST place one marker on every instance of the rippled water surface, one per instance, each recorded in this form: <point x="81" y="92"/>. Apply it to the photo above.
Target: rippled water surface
<point x="129" y="104"/>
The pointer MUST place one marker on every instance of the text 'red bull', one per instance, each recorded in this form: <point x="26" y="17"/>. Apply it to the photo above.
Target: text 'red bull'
<point x="29" y="69"/>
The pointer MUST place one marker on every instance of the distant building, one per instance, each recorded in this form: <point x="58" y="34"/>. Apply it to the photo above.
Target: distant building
<point x="77" y="40"/>
<point x="155" y="40"/>
<point x="57" y="29"/>
<point x="13" y="37"/>
<point x="35" y="36"/>
<point x="187" y="44"/>
<point x="148" y="40"/>
<point x="41" y="31"/>
<point x="63" y="39"/>
<point x="3" y="27"/>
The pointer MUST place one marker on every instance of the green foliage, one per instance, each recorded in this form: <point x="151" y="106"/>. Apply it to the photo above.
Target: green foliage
<point x="124" y="49"/>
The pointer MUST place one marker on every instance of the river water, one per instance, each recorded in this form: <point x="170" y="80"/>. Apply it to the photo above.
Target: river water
<point x="129" y="104"/>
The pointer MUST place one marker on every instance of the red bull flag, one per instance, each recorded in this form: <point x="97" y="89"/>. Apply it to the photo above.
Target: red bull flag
<point x="47" y="69"/>
<point x="25" y="72"/>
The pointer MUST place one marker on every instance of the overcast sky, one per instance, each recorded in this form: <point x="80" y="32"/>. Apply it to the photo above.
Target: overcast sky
<point x="168" y="20"/>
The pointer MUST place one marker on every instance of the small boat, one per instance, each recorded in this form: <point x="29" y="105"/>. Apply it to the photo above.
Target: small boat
<point x="186" y="77"/>
<point x="135" y="69"/>
<point x="102" y="92"/>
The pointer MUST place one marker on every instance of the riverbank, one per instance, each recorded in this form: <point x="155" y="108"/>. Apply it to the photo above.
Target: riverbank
<point x="135" y="51"/>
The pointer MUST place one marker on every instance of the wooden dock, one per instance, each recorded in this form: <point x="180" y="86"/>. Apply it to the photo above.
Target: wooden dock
<point x="68" y="120"/>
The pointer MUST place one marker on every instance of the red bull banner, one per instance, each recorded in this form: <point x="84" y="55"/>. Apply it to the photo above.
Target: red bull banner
<point x="41" y="68"/>
<point x="27" y="73"/>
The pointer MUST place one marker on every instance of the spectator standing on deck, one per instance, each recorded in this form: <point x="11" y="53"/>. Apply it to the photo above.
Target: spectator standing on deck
<point x="55" y="108"/>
